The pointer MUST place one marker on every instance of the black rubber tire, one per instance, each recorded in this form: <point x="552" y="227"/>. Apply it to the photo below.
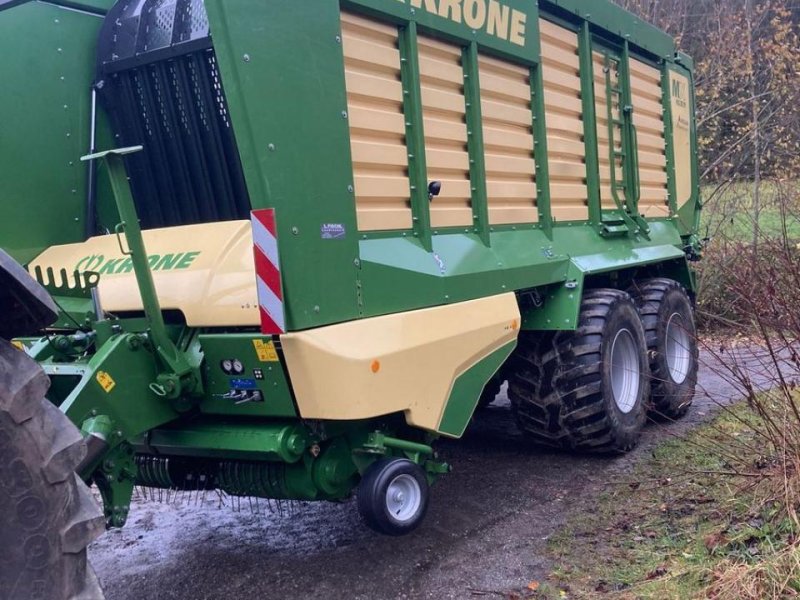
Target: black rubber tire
<point x="372" y="491"/>
<point x="49" y="515"/>
<point x="657" y="300"/>
<point x="560" y="384"/>
<point x="490" y="391"/>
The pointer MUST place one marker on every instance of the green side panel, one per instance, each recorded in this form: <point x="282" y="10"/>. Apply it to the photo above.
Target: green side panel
<point x="557" y="307"/>
<point x="467" y="390"/>
<point x="559" y="304"/>
<point x="47" y="71"/>
<point x="283" y="71"/>
<point x="267" y="376"/>
<point x="619" y="22"/>
<point x="398" y="274"/>
<point x="508" y="28"/>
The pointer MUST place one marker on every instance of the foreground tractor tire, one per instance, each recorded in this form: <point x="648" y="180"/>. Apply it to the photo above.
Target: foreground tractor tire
<point x="585" y="389"/>
<point x="668" y="320"/>
<point x="48" y="515"/>
<point x="393" y="496"/>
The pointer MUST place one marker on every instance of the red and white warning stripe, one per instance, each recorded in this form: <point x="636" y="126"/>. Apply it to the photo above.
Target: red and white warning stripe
<point x="268" y="271"/>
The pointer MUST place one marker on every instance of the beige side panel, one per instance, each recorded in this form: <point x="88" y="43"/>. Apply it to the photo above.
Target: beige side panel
<point x="565" y="149"/>
<point x="682" y="136"/>
<point x="377" y="126"/>
<point x="404" y="362"/>
<point x="204" y="271"/>
<point x="508" y="141"/>
<point x="443" y="109"/>
<point x="648" y="116"/>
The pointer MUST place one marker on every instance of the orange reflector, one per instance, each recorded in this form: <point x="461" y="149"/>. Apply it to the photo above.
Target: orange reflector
<point x="375" y="366"/>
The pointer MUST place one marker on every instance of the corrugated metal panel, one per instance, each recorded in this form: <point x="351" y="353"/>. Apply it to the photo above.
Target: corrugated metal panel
<point x="443" y="108"/>
<point x="377" y="125"/>
<point x="565" y="146"/>
<point x="648" y="116"/>
<point x="508" y="141"/>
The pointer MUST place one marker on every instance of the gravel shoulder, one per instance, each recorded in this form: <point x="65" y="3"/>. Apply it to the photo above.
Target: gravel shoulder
<point x="486" y="529"/>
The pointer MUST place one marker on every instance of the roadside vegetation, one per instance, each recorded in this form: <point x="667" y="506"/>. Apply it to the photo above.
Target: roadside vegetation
<point x="712" y="515"/>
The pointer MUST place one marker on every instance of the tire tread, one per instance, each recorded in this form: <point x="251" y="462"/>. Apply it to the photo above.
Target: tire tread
<point x="558" y="375"/>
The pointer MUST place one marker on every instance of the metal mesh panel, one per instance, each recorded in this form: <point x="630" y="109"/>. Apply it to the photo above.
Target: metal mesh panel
<point x="136" y="26"/>
<point x="190" y="170"/>
<point x="163" y="90"/>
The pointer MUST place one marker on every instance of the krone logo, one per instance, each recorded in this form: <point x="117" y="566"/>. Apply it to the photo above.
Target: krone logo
<point x="90" y="263"/>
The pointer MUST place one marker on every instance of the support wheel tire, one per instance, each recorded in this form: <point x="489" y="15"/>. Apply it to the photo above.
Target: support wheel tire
<point x="668" y="320"/>
<point x="585" y="389"/>
<point x="393" y="496"/>
<point x="49" y="515"/>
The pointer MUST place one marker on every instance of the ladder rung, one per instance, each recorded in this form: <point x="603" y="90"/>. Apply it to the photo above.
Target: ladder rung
<point x="615" y="229"/>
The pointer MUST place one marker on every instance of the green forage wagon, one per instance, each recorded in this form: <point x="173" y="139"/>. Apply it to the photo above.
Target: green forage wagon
<point x="278" y="248"/>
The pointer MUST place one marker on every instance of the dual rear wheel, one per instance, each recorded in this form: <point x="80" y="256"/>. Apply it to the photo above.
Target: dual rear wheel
<point x="592" y="389"/>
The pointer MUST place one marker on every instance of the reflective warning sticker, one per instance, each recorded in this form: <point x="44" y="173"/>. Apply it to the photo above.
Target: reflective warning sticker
<point x="266" y="351"/>
<point x="106" y="381"/>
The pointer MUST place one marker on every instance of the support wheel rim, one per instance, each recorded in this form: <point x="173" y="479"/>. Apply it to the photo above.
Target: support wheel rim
<point x="403" y="497"/>
<point x="678" y="344"/>
<point x="625" y="371"/>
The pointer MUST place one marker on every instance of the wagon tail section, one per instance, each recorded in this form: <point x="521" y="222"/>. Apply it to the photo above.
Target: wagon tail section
<point x="325" y="227"/>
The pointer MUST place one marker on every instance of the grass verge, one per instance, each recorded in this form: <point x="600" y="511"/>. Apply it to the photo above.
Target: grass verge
<point x="689" y="522"/>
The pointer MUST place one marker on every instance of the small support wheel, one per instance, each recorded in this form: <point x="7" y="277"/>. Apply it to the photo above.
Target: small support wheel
<point x="393" y="496"/>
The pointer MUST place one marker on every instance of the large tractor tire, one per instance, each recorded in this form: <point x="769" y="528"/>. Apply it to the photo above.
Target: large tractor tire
<point x="585" y="389"/>
<point x="48" y="515"/>
<point x="668" y="319"/>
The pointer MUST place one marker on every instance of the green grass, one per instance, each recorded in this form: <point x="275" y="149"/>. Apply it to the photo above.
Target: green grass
<point x="674" y="527"/>
<point x="730" y="213"/>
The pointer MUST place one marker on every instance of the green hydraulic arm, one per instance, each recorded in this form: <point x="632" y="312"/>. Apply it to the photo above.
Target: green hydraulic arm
<point x="137" y="379"/>
<point x="177" y="377"/>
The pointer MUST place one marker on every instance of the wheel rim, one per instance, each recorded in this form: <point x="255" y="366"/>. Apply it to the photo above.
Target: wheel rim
<point x="679" y="358"/>
<point x="625" y="370"/>
<point x="403" y="497"/>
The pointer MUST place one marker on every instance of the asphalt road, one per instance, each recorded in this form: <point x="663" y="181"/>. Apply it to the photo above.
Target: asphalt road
<point x="486" y="529"/>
